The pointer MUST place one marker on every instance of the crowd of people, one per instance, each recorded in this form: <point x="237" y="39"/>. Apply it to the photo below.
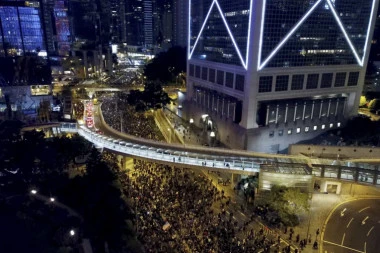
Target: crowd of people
<point x="178" y="210"/>
<point x="124" y="118"/>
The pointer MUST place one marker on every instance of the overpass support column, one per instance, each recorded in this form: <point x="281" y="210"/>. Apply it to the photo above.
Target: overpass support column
<point x="356" y="175"/>
<point x="322" y="171"/>
<point x="376" y="176"/>
<point x="234" y="179"/>
<point x="339" y="172"/>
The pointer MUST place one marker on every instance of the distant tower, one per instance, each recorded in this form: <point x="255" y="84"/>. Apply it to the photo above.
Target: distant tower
<point x="180" y="22"/>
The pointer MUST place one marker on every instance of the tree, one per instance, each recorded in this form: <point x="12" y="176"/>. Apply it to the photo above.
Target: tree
<point x="363" y="101"/>
<point x="152" y="97"/>
<point x="374" y="105"/>
<point x="166" y="65"/>
<point x="286" y="202"/>
<point x="296" y="201"/>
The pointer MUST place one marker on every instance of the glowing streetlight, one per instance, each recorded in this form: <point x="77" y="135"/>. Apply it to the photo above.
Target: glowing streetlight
<point x="72" y="232"/>
<point x="191" y="121"/>
<point x="34" y="192"/>
<point x="52" y="199"/>
<point x="212" y="134"/>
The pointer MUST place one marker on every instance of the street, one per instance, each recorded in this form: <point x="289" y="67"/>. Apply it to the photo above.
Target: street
<point x="353" y="227"/>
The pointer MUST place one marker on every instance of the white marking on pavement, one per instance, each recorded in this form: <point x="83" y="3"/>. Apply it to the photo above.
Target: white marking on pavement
<point x="335" y="244"/>
<point x="364" y="209"/>
<point x="365" y="247"/>
<point x="370" y="231"/>
<point x="342" y="213"/>
<point x="350" y="222"/>
<point x="366" y="218"/>
<point x="344" y="235"/>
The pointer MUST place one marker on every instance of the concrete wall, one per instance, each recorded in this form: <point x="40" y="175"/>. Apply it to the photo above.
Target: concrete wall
<point x="334" y="151"/>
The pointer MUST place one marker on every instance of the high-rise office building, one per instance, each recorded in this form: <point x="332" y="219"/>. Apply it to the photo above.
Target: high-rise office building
<point x="180" y="22"/>
<point x="21" y="28"/>
<point x="118" y="23"/>
<point x="265" y="74"/>
<point x="62" y="27"/>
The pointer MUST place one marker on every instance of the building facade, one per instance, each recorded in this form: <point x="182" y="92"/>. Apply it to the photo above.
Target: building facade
<point x="21" y="28"/>
<point x="270" y="73"/>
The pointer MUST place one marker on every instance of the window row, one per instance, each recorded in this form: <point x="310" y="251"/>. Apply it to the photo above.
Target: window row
<point x="306" y="129"/>
<point x="228" y="79"/>
<point x="297" y="82"/>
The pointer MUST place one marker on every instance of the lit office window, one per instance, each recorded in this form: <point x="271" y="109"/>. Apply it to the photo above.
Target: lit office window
<point x="331" y="125"/>
<point x="298" y="130"/>
<point x="307" y="129"/>
<point x="338" y="124"/>
<point x="323" y="126"/>
<point x="315" y="128"/>
<point x="290" y="131"/>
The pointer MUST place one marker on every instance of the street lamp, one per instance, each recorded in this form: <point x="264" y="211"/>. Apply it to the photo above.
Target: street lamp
<point x="191" y="121"/>
<point x="212" y="134"/>
<point x="34" y="192"/>
<point x="72" y="232"/>
<point x="52" y="199"/>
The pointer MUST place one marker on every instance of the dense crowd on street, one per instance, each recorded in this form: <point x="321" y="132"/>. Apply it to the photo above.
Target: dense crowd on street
<point x="178" y="210"/>
<point x="129" y="121"/>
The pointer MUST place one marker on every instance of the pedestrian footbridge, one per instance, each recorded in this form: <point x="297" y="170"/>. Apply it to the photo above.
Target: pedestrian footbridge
<point x="159" y="152"/>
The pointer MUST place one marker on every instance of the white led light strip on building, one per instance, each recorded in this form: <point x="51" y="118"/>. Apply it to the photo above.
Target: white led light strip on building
<point x="302" y="20"/>
<point x="215" y="2"/>
<point x="284" y="40"/>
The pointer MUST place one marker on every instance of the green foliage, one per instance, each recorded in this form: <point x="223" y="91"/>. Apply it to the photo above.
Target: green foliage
<point x="288" y="203"/>
<point x="166" y="65"/>
<point x="152" y="97"/>
<point x="363" y="101"/>
<point x="374" y="104"/>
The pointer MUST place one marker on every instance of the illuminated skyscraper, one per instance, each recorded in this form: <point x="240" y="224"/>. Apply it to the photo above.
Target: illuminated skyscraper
<point x="21" y="28"/>
<point x="274" y="72"/>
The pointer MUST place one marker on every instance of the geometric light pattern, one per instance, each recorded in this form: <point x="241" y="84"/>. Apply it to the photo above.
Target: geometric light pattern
<point x="216" y="4"/>
<point x="360" y="61"/>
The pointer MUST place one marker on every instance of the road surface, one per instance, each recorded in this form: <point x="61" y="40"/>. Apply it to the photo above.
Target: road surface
<point x="353" y="227"/>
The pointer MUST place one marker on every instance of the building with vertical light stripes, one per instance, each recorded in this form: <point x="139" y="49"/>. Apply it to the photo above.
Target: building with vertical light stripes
<point x="269" y="73"/>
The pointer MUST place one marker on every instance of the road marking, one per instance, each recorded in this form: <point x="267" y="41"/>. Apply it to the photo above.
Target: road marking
<point x="335" y="244"/>
<point x="370" y="231"/>
<point x="344" y="235"/>
<point x="342" y="213"/>
<point x="350" y="222"/>
<point x="366" y="218"/>
<point x="365" y="247"/>
<point x="364" y="209"/>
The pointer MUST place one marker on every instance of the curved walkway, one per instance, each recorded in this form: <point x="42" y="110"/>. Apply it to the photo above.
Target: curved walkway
<point x="183" y="155"/>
